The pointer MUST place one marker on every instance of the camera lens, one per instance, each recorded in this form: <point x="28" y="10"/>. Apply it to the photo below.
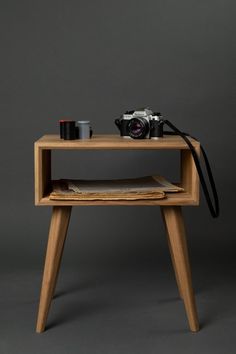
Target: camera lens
<point x="138" y="128"/>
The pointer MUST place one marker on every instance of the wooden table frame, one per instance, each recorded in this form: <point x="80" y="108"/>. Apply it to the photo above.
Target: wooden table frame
<point x="170" y="208"/>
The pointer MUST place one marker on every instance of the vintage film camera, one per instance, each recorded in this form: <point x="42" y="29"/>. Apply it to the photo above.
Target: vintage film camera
<point x="140" y="124"/>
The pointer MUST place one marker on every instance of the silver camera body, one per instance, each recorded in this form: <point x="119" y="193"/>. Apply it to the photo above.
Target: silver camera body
<point x="140" y="124"/>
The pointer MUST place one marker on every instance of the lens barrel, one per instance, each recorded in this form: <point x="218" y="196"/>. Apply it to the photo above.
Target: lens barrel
<point x="138" y="128"/>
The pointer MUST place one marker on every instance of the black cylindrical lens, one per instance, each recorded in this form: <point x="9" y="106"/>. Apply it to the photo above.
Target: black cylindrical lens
<point x="67" y="129"/>
<point x="138" y="128"/>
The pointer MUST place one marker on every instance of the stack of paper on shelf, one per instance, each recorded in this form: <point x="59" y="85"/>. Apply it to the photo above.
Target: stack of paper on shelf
<point x="150" y="187"/>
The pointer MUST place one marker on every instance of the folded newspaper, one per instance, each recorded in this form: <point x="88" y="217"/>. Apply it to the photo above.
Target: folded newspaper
<point x="150" y="187"/>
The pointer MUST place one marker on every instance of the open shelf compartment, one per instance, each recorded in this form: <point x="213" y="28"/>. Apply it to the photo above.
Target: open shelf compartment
<point x="189" y="180"/>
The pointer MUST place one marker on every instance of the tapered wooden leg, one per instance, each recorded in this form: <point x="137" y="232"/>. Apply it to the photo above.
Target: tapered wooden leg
<point x="57" y="234"/>
<point x="178" y="245"/>
<point x="172" y="255"/>
<point x="58" y="266"/>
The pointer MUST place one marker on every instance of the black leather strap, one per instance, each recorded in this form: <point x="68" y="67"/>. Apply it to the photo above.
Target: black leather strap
<point x="212" y="205"/>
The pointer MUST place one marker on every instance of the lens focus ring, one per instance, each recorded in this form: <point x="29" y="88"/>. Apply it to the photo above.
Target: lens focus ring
<point x="138" y="128"/>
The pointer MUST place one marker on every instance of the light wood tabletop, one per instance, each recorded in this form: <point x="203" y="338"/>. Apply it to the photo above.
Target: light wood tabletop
<point x="113" y="142"/>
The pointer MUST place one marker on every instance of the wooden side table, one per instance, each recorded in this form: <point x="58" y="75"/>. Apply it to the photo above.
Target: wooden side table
<point x="170" y="208"/>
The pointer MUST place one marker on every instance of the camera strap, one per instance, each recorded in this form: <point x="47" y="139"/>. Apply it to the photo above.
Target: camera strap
<point x="213" y="204"/>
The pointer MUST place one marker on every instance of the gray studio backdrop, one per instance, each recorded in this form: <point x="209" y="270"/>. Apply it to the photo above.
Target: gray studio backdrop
<point x="93" y="60"/>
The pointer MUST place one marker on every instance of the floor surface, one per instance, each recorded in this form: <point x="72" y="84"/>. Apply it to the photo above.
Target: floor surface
<point x="119" y="310"/>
